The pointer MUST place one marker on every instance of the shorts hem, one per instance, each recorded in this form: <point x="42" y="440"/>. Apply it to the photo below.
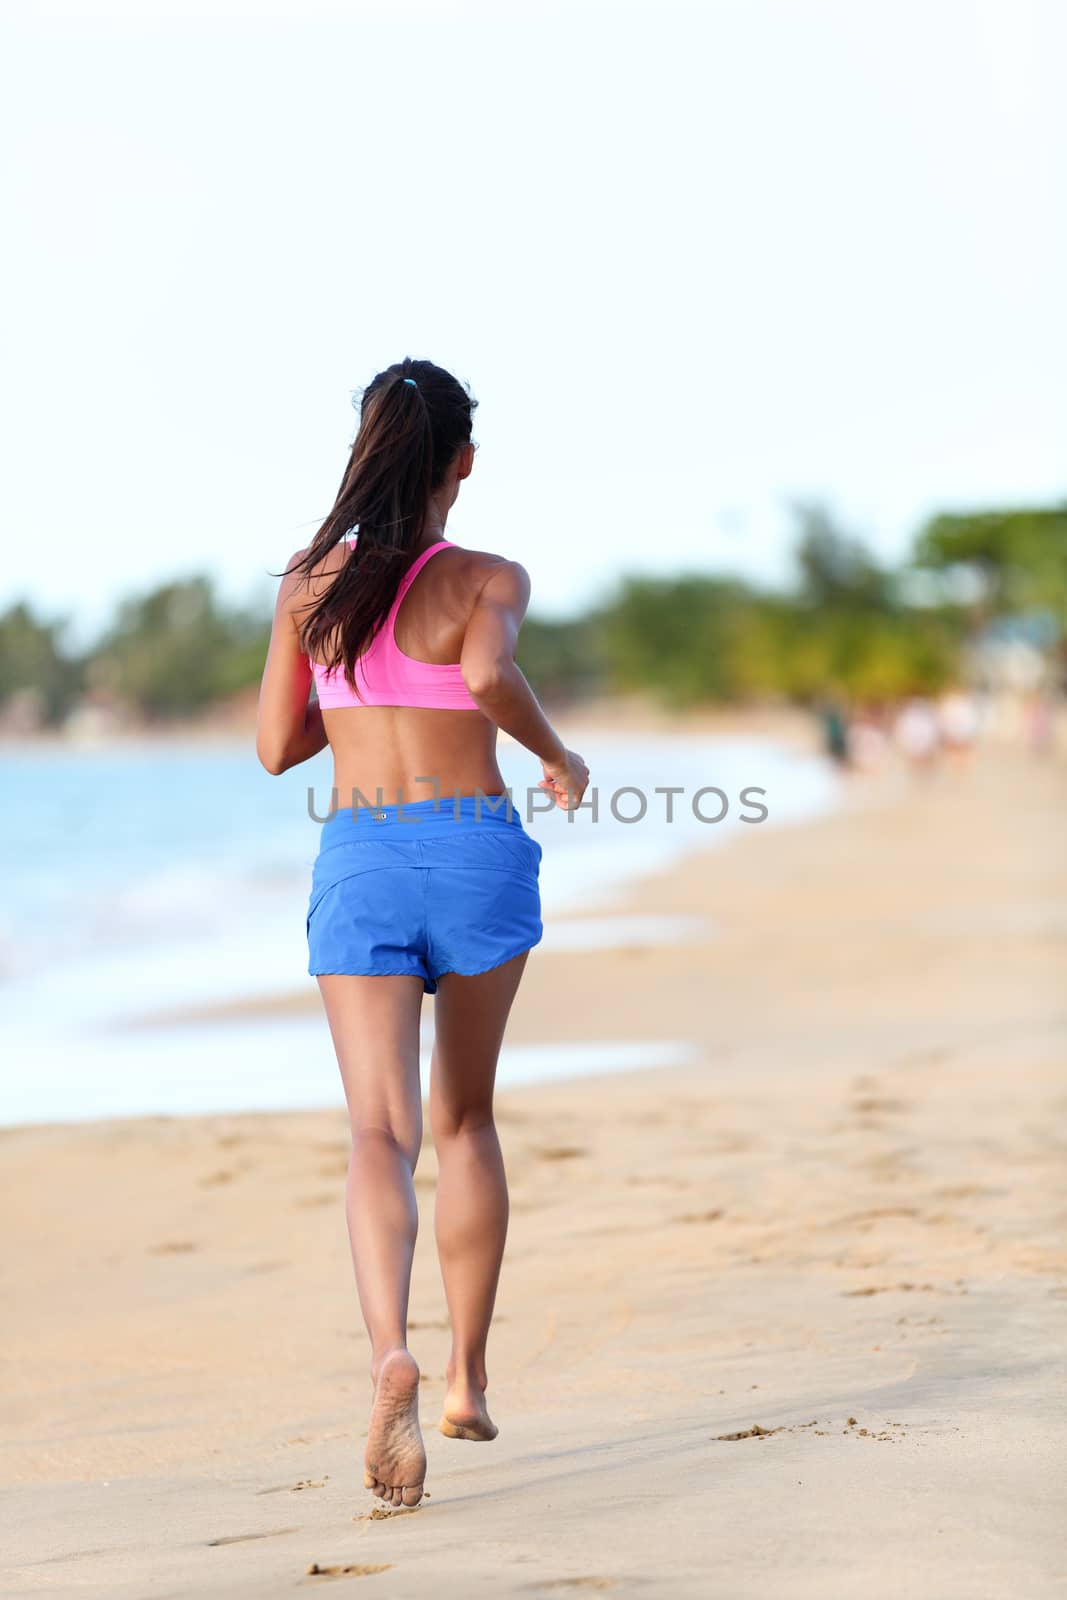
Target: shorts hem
<point x="476" y="972"/>
<point x="364" y="972"/>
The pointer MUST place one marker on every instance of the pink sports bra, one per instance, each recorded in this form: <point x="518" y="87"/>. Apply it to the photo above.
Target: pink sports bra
<point x="388" y="677"/>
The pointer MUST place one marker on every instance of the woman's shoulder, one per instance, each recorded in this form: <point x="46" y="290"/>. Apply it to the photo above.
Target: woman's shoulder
<point x="483" y="566"/>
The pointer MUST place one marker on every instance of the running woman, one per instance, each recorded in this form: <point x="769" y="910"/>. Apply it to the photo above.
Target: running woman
<point x="421" y="885"/>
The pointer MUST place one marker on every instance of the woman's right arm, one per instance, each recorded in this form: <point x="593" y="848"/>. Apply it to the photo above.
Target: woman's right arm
<point x="500" y="689"/>
<point x="289" y="728"/>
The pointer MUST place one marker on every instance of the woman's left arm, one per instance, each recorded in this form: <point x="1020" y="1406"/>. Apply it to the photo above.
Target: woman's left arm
<point x="288" y="729"/>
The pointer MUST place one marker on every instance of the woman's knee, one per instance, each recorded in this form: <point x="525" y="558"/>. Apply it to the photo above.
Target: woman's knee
<point x="453" y="1120"/>
<point x="370" y="1137"/>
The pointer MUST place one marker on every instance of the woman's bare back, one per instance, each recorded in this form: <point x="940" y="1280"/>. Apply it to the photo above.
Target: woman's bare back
<point x="391" y="754"/>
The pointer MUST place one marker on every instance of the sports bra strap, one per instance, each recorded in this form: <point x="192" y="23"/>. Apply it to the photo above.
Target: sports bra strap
<point x="415" y="568"/>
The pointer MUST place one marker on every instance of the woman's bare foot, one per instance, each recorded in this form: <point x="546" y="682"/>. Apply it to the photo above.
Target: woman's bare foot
<point x="465" y="1415"/>
<point x="396" y="1459"/>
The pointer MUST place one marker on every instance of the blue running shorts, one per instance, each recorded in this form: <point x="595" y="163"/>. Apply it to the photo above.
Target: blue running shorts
<point x="426" y="888"/>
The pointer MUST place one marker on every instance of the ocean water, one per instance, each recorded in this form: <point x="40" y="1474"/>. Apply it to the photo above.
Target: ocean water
<point x="147" y="879"/>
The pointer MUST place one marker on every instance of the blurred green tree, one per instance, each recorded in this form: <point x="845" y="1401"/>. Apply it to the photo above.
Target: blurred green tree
<point x="177" y="649"/>
<point x="563" y="660"/>
<point x="680" y="637"/>
<point x="1019" y="556"/>
<point x="836" y="569"/>
<point x="32" y="658"/>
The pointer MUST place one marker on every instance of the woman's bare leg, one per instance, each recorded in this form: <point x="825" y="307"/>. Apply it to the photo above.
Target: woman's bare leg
<point x="471" y="1216"/>
<point x="374" y="1022"/>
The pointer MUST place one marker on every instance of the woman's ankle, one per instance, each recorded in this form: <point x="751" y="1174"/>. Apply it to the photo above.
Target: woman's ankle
<point x="379" y="1356"/>
<point x="467" y="1375"/>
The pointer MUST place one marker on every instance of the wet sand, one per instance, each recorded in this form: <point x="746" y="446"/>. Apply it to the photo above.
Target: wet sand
<point x="787" y="1321"/>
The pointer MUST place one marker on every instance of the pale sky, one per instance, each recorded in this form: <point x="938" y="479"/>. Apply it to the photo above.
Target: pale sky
<point x="695" y="261"/>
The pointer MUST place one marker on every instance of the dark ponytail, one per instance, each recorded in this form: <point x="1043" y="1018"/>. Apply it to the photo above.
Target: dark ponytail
<point x="413" y="418"/>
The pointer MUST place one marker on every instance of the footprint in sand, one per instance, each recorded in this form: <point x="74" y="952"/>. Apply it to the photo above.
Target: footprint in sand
<point x="856" y="1432"/>
<point x="381" y="1512"/>
<point x="293" y="1488"/>
<point x="565" y="1585"/>
<point x="872" y="1105"/>
<point x="361" y="1569"/>
<point x="243" y="1538"/>
<point x="852" y="1429"/>
<point x="215" y="1180"/>
<point x="897" y="1288"/>
<point x="875" y="1214"/>
<point x="755" y="1432"/>
<point x="334" y="1169"/>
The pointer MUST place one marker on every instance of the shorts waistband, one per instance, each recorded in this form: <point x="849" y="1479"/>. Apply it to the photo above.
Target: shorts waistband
<point x="460" y="812"/>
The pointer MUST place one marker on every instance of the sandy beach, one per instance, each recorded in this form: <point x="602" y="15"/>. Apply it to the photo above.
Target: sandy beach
<point x="786" y="1321"/>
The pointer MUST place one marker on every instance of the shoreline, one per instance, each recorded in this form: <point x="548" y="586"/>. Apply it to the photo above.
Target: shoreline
<point x="609" y="714"/>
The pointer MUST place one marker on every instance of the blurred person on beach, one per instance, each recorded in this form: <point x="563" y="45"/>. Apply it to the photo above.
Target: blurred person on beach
<point x="410" y="641"/>
<point x="917" y="734"/>
<point x="1039" y="721"/>
<point x="868" y="743"/>
<point x="958" y="721"/>
<point x="833" y="720"/>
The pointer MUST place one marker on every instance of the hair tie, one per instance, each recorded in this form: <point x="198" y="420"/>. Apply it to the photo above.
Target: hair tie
<point x="412" y="382"/>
